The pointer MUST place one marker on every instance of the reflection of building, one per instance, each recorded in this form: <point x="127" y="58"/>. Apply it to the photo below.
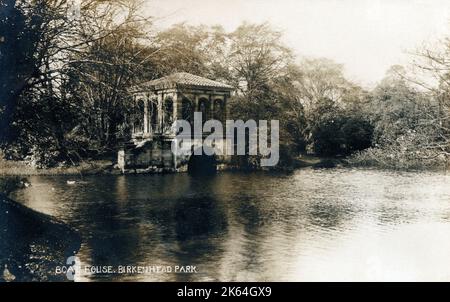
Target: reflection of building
<point x="157" y="104"/>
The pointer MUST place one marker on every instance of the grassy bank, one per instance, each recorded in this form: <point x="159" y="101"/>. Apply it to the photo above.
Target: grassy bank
<point x="32" y="244"/>
<point x="305" y="161"/>
<point x="91" y="167"/>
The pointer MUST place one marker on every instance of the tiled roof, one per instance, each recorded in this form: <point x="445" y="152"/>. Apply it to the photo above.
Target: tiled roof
<point x="185" y="79"/>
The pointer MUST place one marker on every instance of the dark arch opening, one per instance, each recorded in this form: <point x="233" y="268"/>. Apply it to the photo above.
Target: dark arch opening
<point x="204" y="108"/>
<point x="138" y="114"/>
<point x="202" y="165"/>
<point x="187" y="111"/>
<point x="153" y="114"/>
<point x="218" y="110"/>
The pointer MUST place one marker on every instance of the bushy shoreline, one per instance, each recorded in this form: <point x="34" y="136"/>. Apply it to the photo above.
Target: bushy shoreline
<point x="370" y="158"/>
<point x="398" y="160"/>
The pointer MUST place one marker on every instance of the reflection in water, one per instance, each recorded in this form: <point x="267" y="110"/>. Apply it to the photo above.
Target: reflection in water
<point x="196" y="217"/>
<point x="333" y="224"/>
<point x="329" y="215"/>
<point x="200" y="223"/>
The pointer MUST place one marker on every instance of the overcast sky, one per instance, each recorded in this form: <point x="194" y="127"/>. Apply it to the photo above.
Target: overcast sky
<point x="367" y="36"/>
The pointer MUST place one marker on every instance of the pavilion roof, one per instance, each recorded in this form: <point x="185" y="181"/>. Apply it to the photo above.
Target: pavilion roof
<point x="184" y="79"/>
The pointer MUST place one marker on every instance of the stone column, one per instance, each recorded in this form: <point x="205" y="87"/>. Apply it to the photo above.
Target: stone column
<point x="224" y="115"/>
<point x="160" y="112"/>
<point x="153" y="118"/>
<point x="211" y="107"/>
<point x="195" y="105"/>
<point x="133" y="117"/>
<point x="176" y="106"/>
<point x="224" y="108"/>
<point x="146" y="130"/>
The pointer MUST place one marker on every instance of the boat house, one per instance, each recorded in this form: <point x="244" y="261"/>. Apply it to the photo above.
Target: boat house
<point x="156" y="105"/>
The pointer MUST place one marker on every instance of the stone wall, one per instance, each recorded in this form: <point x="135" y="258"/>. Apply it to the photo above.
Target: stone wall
<point x="155" y="156"/>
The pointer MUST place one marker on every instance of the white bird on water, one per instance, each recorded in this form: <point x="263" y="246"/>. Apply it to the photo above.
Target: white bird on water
<point x="71" y="182"/>
<point x="25" y="183"/>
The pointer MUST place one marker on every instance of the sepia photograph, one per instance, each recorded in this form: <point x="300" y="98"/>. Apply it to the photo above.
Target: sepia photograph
<point x="224" y="141"/>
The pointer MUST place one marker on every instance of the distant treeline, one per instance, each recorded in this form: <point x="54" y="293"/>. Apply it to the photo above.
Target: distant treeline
<point x="65" y="73"/>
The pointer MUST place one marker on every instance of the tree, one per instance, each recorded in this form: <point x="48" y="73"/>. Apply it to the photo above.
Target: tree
<point x="397" y="107"/>
<point x="435" y="64"/>
<point x="338" y="131"/>
<point x="198" y="50"/>
<point x="18" y="44"/>
<point x="331" y="103"/>
<point x="322" y="79"/>
<point x="100" y="76"/>
<point x="40" y="106"/>
<point x="257" y="57"/>
<point x="30" y="55"/>
<point x="403" y="115"/>
<point x="261" y="68"/>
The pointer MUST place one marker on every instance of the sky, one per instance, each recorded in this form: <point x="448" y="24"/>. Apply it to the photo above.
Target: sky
<point x="366" y="36"/>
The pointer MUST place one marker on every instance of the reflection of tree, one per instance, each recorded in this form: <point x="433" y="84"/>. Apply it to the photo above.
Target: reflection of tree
<point x="395" y="214"/>
<point x="254" y="220"/>
<point x="250" y="215"/>
<point x="106" y="221"/>
<point x="200" y="225"/>
<point x="193" y="231"/>
<point x="116" y="239"/>
<point x="198" y="217"/>
<point x="328" y="215"/>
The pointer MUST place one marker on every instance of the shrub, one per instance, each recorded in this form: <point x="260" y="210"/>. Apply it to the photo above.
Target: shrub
<point x="403" y="153"/>
<point x="341" y="134"/>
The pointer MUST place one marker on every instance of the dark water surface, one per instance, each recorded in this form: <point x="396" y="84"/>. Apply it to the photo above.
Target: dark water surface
<point x="312" y="225"/>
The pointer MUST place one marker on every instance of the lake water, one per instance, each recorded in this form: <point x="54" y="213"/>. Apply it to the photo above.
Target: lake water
<point x="312" y="225"/>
